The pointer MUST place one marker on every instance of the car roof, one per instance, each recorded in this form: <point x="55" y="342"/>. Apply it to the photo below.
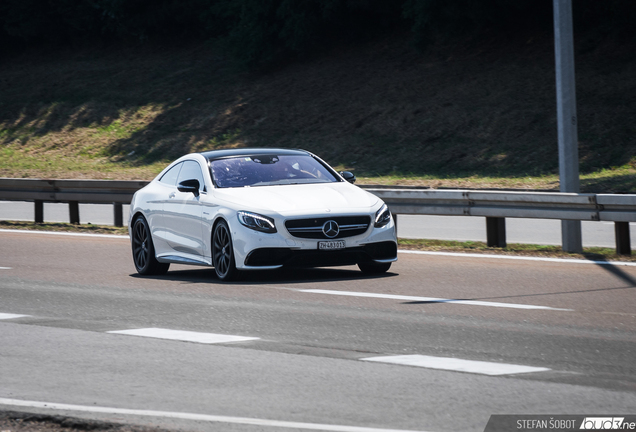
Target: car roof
<point x="243" y="152"/>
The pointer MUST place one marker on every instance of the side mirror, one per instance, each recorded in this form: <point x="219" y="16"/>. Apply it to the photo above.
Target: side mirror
<point x="348" y="176"/>
<point x="191" y="185"/>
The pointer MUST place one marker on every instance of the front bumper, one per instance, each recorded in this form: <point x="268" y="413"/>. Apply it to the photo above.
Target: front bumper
<point x="255" y="250"/>
<point x="276" y="257"/>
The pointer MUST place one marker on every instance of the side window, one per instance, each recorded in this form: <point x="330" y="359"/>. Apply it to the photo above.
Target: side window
<point x="191" y="170"/>
<point x="170" y="177"/>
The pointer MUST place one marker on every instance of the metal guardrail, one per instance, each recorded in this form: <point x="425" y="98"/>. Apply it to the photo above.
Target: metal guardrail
<point x="116" y="192"/>
<point x="85" y="191"/>
<point x="498" y="205"/>
<point x="539" y="205"/>
<point x="495" y="206"/>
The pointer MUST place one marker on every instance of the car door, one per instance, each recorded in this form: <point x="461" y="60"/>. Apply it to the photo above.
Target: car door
<point x="165" y="186"/>
<point x="182" y="215"/>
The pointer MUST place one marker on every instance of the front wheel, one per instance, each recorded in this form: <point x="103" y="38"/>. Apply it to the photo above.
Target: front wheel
<point x="223" y="252"/>
<point x="374" y="268"/>
<point x="143" y="250"/>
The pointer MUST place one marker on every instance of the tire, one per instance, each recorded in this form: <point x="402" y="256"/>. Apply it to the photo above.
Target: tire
<point x="143" y="250"/>
<point x="223" y="253"/>
<point x="374" y="268"/>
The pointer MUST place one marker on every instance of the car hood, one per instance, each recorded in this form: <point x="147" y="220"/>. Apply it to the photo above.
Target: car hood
<point x="338" y="197"/>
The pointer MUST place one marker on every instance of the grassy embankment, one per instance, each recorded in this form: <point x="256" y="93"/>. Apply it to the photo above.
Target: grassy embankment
<point x="475" y="116"/>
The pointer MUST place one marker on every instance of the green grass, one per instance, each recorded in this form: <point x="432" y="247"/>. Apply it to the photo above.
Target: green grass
<point x="612" y="180"/>
<point x="221" y="141"/>
<point x="116" y="130"/>
<point x="85" y="164"/>
<point x="64" y="227"/>
<point x="517" y="249"/>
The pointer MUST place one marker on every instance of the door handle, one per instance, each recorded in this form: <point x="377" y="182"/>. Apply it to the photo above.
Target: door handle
<point x="172" y="195"/>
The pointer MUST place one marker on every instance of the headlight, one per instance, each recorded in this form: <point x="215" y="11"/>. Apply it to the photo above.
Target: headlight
<point x="382" y="216"/>
<point x="256" y="222"/>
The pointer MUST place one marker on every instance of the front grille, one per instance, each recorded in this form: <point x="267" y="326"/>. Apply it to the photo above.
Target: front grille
<point x="312" y="228"/>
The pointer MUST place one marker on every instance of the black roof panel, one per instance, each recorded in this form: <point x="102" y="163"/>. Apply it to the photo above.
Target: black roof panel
<point x="244" y="152"/>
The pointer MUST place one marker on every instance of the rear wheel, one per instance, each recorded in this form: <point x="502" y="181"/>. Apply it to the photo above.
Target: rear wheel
<point x="374" y="268"/>
<point x="223" y="252"/>
<point x="143" y="250"/>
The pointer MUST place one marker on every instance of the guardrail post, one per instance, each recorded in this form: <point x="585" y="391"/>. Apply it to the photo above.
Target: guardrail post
<point x="571" y="237"/>
<point x="73" y="211"/>
<point x="39" y="211"/>
<point x="118" y="213"/>
<point x="623" y="243"/>
<point x="496" y="232"/>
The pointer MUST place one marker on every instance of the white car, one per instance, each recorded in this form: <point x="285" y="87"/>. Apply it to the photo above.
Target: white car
<point x="254" y="209"/>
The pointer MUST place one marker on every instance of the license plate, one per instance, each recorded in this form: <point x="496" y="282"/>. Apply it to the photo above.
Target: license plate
<point x="331" y="245"/>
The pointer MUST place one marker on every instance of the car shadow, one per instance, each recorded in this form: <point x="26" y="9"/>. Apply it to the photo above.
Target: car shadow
<point x="264" y="277"/>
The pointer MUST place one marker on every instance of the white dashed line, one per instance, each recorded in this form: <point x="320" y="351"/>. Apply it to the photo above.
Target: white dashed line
<point x="197" y="417"/>
<point x="186" y="336"/>
<point x="431" y="299"/>
<point x="5" y="268"/>
<point x="522" y="258"/>
<point x="457" y="365"/>
<point x="5" y="316"/>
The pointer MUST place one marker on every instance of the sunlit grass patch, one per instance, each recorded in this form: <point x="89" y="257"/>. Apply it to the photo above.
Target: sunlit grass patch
<point x="589" y="253"/>
<point x="64" y="227"/>
<point x="16" y="163"/>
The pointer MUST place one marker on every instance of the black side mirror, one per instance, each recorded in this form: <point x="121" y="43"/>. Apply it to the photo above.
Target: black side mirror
<point x="348" y="176"/>
<point x="191" y="185"/>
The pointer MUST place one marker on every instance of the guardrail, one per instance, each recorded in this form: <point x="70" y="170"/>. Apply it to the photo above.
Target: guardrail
<point x="495" y="206"/>
<point x="498" y="205"/>
<point x="73" y="192"/>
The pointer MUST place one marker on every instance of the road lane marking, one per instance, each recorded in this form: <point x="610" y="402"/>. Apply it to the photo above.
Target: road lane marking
<point x="61" y="233"/>
<point x="4" y="316"/>
<point x="431" y="299"/>
<point x="455" y="254"/>
<point x="5" y="268"/>
<point x="196" y="417"/>
<point x="523" y="258"/>
<point x="457" y="365"/>
<point x="181" y="335"/>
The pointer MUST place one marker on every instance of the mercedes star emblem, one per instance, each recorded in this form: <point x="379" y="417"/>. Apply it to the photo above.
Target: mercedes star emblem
<point x="331" y="229"/>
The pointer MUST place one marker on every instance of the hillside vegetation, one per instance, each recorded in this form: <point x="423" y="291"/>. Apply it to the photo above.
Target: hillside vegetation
<point x="462" y="113"/>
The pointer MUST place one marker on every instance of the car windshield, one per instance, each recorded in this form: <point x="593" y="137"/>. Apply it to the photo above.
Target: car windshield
<point x="269" y="170"/>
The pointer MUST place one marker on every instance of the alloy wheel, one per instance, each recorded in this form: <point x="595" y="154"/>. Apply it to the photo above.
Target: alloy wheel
<point x="222" y="254"/>
<point x="141" y="250"/>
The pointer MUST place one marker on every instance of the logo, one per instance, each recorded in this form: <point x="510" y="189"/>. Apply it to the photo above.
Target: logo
<point x="562" y="423"/>
<point x="600" y="423"/>
<point x="330" y="229"/>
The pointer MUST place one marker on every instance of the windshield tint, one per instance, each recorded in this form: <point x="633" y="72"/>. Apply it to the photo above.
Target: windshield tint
<point x="269" y="170"/>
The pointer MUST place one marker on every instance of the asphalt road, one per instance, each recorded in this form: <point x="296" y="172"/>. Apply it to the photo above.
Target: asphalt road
<point x="314" y="331"/>
<point x="531" y="231"/>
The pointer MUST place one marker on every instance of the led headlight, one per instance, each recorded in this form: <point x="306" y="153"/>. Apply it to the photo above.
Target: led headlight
<point x="382" y="216"/>
<point x="256" y="221"/>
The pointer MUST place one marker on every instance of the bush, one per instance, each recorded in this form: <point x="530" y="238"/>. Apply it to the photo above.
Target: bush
<point x="260" y="32"/>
